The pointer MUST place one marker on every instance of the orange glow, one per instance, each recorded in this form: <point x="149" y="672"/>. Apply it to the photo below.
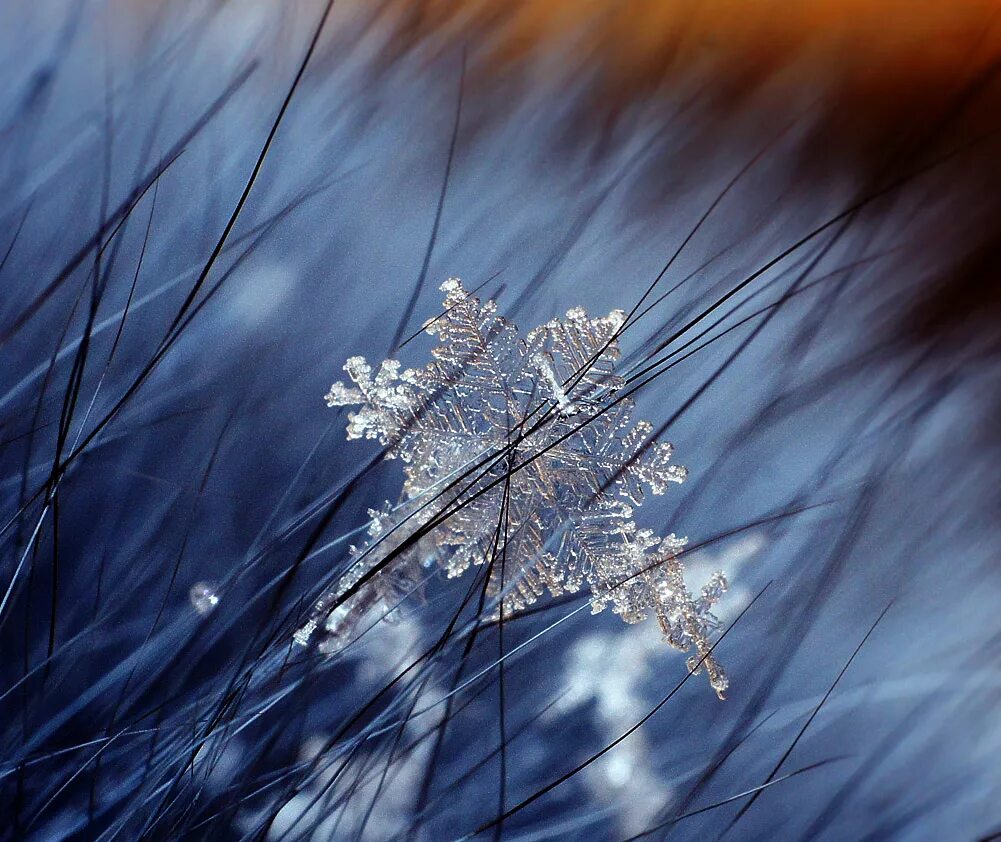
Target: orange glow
<point x="877" y="54"/>
<point x="636" y="40"/>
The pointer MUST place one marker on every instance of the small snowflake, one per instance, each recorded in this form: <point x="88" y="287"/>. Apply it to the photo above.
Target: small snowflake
<point x="521" y="449"/>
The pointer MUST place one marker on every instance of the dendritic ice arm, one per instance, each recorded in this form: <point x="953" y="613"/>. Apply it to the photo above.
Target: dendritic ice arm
<point x="387" y="400"/>
<point x="521" y="449"/>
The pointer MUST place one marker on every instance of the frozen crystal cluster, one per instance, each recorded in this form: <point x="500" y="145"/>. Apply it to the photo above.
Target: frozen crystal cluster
<point x="520" y="454"/>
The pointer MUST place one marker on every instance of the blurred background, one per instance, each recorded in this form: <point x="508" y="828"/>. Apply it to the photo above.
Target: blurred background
<point x="207" y="206"/>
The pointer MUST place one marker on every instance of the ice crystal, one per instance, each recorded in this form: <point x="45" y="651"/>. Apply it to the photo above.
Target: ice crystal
<point x="519" y="454"/>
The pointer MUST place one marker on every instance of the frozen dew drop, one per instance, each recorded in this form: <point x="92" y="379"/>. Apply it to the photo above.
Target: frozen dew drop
<point x="203" y="597"/>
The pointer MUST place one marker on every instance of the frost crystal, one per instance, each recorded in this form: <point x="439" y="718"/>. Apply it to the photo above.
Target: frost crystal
<point x="517" y="454"/>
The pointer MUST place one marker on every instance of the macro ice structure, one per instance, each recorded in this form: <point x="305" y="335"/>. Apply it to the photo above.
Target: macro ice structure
<point x="520" y="453"/>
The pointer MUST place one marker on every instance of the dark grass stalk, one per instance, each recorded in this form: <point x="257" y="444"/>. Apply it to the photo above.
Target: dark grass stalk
<point x="433" y="236"/>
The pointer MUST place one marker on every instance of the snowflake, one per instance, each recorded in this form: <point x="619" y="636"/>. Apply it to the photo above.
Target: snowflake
<point x="520" y="454"/>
